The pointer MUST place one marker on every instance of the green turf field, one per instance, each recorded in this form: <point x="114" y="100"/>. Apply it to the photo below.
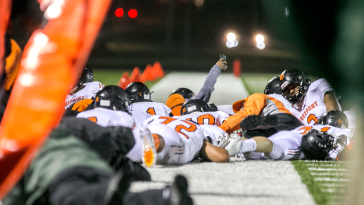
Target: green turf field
<point x="327" y="181"/>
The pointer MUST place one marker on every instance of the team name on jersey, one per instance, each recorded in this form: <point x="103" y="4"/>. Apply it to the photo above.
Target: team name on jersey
<point x="308" y="109"/>
<point x="73" y="100"/>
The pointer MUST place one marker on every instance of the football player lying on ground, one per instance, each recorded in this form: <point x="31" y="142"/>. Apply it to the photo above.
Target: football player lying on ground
<point x="66" y="171"/>
<point x="305" y="100"/>
<point x="141" y="105"/>
<point x="181" y="95"/>
<point x="83" y="92"/>
<point x="319" y="89"/>
<point x="179" y="141"/>
<point x="317" y="142"/>
<point x="110" y="108"/>
<point x="263" y="115"/>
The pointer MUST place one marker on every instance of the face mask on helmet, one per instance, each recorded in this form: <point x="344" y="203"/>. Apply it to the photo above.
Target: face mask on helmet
<point x="138" y="92"/>
<point x="318" y="145"/>
<point x="294" y="84"/>
<point x="334" y="118"/>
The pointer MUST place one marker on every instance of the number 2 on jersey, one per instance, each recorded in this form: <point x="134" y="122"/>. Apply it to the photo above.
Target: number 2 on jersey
<point x="180" y="127"/>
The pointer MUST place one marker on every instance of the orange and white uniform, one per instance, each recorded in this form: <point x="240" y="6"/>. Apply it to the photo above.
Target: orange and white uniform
<point x="143" y="110"/>
<point x="87" y="92"/>
<point x="106" y="117"/>
<point x="313" y="104"/>
<point x="183" y="140"/>
<point x="290" y="141"/>
<point x="256" y="104"/>
<point x="206" y="118"/>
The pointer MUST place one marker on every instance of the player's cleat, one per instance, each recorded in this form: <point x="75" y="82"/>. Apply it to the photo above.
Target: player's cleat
<point x="149" y="155"/>
<point x="177" y="194"/>
<point x="235" y="144"/>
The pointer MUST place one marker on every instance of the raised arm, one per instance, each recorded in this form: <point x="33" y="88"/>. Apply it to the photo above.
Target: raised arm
<point x="208" y="86"/>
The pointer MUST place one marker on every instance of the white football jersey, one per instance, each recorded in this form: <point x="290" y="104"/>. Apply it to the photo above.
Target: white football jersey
<point x="351" y="115"/>
<point x="213" y="132"/>
<point x="183" y="139"/>
<point x="290" y="141"/>
<point x="106" y="117"/>
<point x="143" y="110"/>
<point x="226" y="108"/>
<point x="87" y="92"/>
<point x="206" y="118"/>
<point x="313" y="104"/>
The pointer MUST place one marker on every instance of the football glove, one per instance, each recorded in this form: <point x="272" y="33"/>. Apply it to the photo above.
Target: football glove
<point x="234" y="144"/>
<point x="223" y="140"/>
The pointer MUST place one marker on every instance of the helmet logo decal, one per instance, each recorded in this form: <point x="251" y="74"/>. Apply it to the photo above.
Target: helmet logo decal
<point x="105" y="103"/>
<point x="191" y="108"/>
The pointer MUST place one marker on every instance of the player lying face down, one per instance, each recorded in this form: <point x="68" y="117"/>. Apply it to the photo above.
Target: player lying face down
<point x="178" y="141"/>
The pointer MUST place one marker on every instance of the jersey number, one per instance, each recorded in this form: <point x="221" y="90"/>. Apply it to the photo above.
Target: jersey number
<point x="312" y="117"/>
<point x="151" y="111"/>
<point x="180" y="127"/>
<point x="306" y="129"/>
<point x="93" y="119"/>
<point x="210" y="119"/>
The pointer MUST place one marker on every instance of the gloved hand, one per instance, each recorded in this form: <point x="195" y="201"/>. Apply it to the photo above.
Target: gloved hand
<point x="235" y="143"/>
<point x="223" y="140"/>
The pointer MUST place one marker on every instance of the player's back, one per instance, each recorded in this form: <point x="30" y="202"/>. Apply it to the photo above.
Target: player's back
<point x="106" y="117"/>
<point x="87" y="92"/>
<point x="191" y="134"/>
<point x="143" y="110"/>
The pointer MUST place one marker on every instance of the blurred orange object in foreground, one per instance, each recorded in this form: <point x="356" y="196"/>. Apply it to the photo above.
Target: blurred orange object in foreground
<point x="50" y="60"/>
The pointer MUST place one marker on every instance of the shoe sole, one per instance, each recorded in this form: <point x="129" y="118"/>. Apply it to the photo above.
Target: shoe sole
<point x="149" y="151"/>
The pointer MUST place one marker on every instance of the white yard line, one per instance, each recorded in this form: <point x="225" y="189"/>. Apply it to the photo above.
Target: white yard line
<point x="239" y="182"/>
<point x="228" y="88"/>
<point x="327" y="169"/>
<point x="329" y="179"/>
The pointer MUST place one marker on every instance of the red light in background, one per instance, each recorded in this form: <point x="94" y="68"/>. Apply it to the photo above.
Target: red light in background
<point x="132" y="13"/>
<point x="119" y="12"/>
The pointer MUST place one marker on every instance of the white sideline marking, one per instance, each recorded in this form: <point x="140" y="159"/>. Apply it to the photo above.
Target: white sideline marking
<point x="328" y="179"/>
<point x="327" y="169"/>
<point x="228" y="88"/>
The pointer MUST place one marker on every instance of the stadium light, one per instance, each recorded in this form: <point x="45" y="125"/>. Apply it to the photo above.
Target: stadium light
<point x="259" y="38"/>
<point x="261" y="46"/>
<point x="119" y="12"/>
<point x="231" y="37"/>
<point x="133" y="13"/>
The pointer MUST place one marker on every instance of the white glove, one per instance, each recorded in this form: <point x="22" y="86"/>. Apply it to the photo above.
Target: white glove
<point x="235" y="144"/>
<point x="223" y="140"/>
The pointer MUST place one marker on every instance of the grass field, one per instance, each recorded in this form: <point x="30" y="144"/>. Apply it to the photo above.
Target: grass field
<point x="326" y="181"/>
